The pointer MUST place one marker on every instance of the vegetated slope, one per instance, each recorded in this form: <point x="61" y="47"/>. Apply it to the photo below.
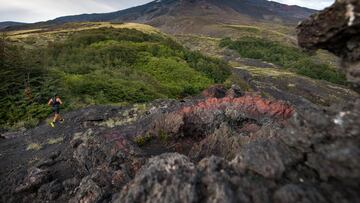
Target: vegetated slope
<point x="100" y="66"/>
<point x="194" y="16"/>
<point x="284" y="56"/>
<point x="261" y="48"/>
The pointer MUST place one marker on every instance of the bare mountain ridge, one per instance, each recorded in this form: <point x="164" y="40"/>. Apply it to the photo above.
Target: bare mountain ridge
<point x="6" y="24"/>
<point x="170" y="14"/>
<point x="257" y="9"/>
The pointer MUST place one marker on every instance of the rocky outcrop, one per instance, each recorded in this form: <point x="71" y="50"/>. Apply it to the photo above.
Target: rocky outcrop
<point x="336" y="29"/>
<point x="312" y="159"/>
<point x="229" y="149"/>
<point x="35" y="178"/>
<point x="174" y="178"/>
<point x="160" y="180"/>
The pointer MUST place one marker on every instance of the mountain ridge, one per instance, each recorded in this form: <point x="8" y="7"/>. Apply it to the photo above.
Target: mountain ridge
<point x="169" y="13"/>
<point x="6" y="24"/>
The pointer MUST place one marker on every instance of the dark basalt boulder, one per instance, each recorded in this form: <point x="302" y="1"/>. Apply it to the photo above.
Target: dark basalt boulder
<point x="336" y="29"/>
<point x="217" y="91"/>
<point x="36" y="177"/>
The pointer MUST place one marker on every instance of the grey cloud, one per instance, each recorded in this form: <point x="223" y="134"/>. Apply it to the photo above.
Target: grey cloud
<point x="40" y="10"/>
<point x="315" y="4"/>
<point x="13" y="14"/>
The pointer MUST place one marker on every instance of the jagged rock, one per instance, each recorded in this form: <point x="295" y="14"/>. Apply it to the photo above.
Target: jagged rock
<point x="71" y="184"/>
<point x="340" y="159"/>
<point x="216" y="91"/>
<point x="296" y="194"/>
<point x="165" y="178"/>
<point x="346" y="121"/>
<point x="35" y="178"/>
<point x="51" y="191"/>
<point x="336" y="29"/>
<point x="217" y="181"/>
<point x="173" y="178"/>
<point x="260" y="157"/>
<point x="88" y="191"/>
<point x="10" y="135"/>
<point x="235" y="92"/>
<point x="50" y="161"/>
<point x="119" y="178"/>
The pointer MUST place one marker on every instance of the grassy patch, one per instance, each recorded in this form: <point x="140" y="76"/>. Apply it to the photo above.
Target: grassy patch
<point x="281" y="34"/>
<point x="236" y="79"/>
<point x="245" y="28"/>
<point x="140" y="107"/>
<point x="164" y="136"/>
<point x="62" y="31"/>
<point x="55" y="140"/>
<point x="206" y="45"/>
<point x="142" y="140"/>
<point x="34" y="147"/>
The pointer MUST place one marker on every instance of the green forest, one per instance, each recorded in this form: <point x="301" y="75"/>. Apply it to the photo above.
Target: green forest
<point x="290" y="58"/>
<point x="99" y="66"/>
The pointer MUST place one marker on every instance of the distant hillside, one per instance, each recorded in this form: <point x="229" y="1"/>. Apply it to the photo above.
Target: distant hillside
<point x="9" y="24"/>
<point x="184" y="16"/>
<point x="256" y="9"/>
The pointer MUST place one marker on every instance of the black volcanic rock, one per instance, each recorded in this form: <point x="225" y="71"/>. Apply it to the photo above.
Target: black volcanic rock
<point x="231" y="149"/>
<point x="336" y="29"/>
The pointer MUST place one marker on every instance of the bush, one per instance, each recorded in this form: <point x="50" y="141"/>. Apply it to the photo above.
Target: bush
<point x="215" y="69"/>
<point x="175" y="77"/>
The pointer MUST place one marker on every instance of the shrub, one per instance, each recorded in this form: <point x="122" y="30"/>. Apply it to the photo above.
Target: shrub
<point x="175" y="78"/>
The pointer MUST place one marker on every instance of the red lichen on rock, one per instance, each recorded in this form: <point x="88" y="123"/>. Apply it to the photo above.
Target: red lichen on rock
<point x="120" y="140"/>
<point x="252" y="106"/>
<point x="202" y="118"/>
<point x="250" y="128"/>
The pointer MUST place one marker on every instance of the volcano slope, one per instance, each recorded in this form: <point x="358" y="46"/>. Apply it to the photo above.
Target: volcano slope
<point x="224" y="146"/>
<point x="192" y="16"/>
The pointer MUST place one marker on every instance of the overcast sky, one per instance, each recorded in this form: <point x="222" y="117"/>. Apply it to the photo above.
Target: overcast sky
<point x="41" y="10"/>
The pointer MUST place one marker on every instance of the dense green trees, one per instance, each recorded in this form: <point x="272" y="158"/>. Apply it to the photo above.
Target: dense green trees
<point x="22" y="84"/>
<point x="101" y="66"/>
<point x="288" y="57"/>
